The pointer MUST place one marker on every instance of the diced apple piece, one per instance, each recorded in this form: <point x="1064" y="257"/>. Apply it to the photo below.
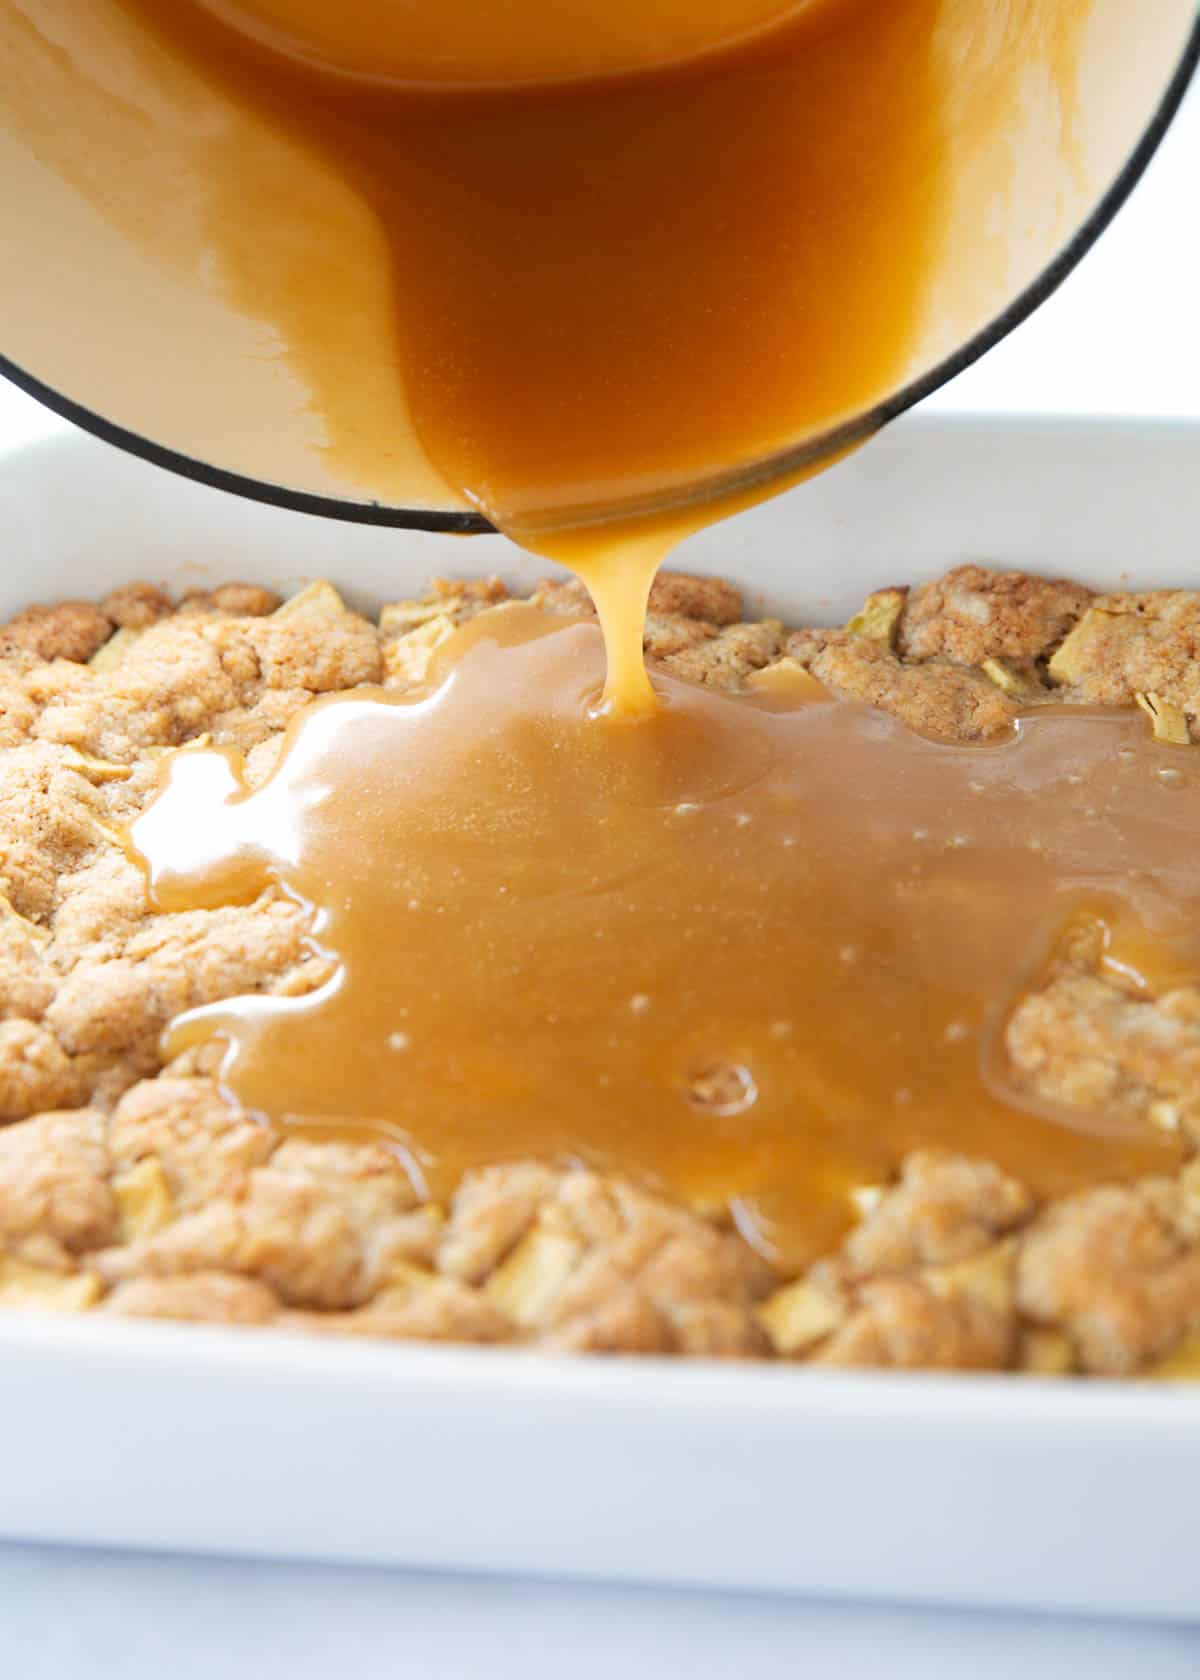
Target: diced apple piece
<point x="799" y="1315"/>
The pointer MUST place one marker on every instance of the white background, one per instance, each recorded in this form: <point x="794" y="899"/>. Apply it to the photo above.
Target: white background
<point x="1122" y="337"/>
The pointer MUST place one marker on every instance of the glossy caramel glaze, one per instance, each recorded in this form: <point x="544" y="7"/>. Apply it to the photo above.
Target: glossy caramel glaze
<point x="754" y="947"/>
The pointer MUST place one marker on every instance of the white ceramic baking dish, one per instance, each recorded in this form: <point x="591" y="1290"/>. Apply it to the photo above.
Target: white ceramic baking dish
<point x="983" y="1490"/>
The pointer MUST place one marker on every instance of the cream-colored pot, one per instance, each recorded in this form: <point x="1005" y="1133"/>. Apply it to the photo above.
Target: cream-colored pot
<point x="115" y="310"/>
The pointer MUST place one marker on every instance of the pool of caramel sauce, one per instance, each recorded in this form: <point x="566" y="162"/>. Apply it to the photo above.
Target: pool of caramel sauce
<point x="751" y="948"/>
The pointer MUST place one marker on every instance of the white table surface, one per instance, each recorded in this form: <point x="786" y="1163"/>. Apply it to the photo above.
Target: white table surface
<point x="1122" y="336"/>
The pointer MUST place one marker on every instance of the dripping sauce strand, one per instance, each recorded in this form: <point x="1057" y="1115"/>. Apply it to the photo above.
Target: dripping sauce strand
<point x="608" y="295"/>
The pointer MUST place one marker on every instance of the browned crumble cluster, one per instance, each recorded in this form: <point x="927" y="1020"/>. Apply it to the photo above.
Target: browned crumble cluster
<point x="133" y="1189"/>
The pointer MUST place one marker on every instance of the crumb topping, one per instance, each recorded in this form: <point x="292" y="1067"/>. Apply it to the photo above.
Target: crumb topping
<point x="134" y="1189"/>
